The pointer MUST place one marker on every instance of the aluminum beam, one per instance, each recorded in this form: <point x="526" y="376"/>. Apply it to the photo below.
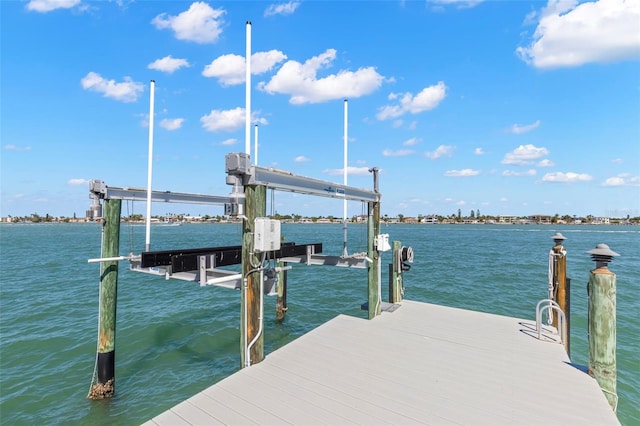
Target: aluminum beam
<point x="285" y="181"/>
<point x="323" y="260"/>
<point x="139" y="194"/>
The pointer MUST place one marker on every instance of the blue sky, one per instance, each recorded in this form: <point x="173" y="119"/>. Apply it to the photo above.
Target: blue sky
<point x="506" y="107"/>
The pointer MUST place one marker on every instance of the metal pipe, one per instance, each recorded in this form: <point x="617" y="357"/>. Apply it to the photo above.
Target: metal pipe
<point x="247" y="109"/>
<point x="152" y="88"/>
<point x="260" y="321"/>
<point x="344" y="205"/>
<point x="214" y="281"/>
<point x="255" y="144"/>
<point x="113" y="259"/>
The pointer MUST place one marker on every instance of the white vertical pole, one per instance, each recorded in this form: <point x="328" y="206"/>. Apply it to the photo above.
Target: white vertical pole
<point x="152" y="88"/>
<point x="247" y="127"/>
<point x="255" y="144"/>
<point x="344" y="176"/>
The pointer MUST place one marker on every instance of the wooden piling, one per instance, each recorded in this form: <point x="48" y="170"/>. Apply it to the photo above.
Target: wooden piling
<point x="105" y="363"/>
<point x="373" y="254"/>
<point x="255" y="206"/>
<point x="281" y="298"/>
<point x="395" y="274"/>
<point x="602" y="330"/>
<point x="562" y="289"/>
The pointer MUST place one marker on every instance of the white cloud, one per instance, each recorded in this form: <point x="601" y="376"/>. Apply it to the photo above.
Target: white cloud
<point x="49" y="5"/>
<point x="429" y="98"/>
<point x="282" y="8"/>
<point x="517" y="129"/>
<point x="360" y="171"/>
<point x="411" y="142"/>
<point x="462" y="173"/>
<point x="77" y="181"/>
<point x="440" y="151"/>
<point x="478" y="151"/>
<point x="171" y="123"/>
<point x="398" y="153"/>
<point x="125" y="91"/>
<point x="301" y="81"/>
<point x="530" y="172"/>
<point x="546" y="163"/>
<point x="11" y="147"/>
<point x="200" y="23"/>
<point x="571" y="34"/>
<point x="228" y="142"/>
<point x="224" y="120"/>
<point x="617" y="161"/>
<point x="524" y="155"/>
<point x="623" y="179"/>
<point x="566" y="177"/>
<point x="168" y="64"/>
<point x="230" y="120"/>
<point x="301" y="159"/>
<point x="231" y="69"/>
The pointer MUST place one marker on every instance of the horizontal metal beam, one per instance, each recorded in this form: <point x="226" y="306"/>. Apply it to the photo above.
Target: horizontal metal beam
<point x="323" y="260"/>
<point x="285" y="181"/>
<point x="182" y="260"/>
<point x="140" y="194"/>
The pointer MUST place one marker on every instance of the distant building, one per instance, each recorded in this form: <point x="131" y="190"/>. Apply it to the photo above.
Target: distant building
<point x="503" y="218"/>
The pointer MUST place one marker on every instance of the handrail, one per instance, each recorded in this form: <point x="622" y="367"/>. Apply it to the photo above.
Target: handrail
<point x="551" y="305"/>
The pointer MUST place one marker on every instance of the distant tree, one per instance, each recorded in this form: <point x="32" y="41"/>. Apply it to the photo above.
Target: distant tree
<point x="400" y="217"/>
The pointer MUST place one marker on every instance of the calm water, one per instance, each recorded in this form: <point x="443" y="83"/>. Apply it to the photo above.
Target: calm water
<point x="175" y="338"/>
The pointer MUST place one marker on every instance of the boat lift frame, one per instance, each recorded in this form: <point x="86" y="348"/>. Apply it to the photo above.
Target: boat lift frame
<point x="240" y="172"/>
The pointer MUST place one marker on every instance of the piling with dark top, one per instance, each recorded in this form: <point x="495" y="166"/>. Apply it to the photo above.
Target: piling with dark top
<point x="105" y="363"/>
<point x="602" y="322"/>
<point x="561" y="284"/>
<point x="395" y="274"/>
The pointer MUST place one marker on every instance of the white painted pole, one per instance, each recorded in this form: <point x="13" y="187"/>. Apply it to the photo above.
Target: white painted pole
<point x="344" y="175"/>
<point x="255" y="146"/>
<point x="247" y="127"/>
<point x="152" y="88"/>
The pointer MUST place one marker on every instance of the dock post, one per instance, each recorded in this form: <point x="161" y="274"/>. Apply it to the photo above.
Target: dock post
<point x="105" y="362"/>
<point x="255" y="206"/>
<point x="281" y="298"/>
<point x="561" y="284"/>
<point x="395" y="275"/>
<point x="602" y="322"/>
<point x="373" y="230"/>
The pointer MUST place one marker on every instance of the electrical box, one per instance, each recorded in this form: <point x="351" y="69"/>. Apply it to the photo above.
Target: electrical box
<point x="266" y="234"/>
<point x="382" y="242"/>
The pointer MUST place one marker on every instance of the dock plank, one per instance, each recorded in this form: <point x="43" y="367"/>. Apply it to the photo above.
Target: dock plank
<point x="421" y="364"/>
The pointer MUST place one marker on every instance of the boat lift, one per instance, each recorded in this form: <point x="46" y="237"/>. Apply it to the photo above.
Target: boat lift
<point x="202" y="265"/>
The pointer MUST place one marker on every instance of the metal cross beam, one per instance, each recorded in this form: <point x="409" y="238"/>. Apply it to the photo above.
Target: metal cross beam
<point x="239" y="169"/>
<point x="100" y="190"/>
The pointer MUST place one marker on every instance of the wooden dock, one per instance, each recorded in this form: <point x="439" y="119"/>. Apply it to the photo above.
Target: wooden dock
<point x="420" y="364"/>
